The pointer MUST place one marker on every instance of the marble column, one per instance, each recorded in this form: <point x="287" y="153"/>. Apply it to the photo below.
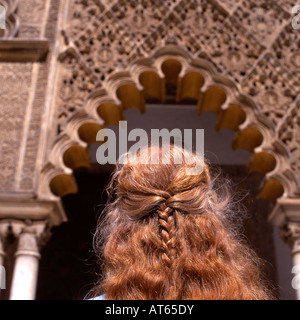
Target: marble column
<point x="27" y="257"/>
<point x="30" y="222"/>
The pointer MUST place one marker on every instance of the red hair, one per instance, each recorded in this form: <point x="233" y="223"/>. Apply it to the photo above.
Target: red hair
<point x="168" y="235"/>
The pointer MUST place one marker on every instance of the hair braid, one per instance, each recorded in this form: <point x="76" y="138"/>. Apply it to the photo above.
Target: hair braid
<point x="166" y="221"/>
<point x="162" y="232"/>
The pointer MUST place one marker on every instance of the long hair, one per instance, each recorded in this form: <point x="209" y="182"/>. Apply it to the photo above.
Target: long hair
<point x="166" y="234"/>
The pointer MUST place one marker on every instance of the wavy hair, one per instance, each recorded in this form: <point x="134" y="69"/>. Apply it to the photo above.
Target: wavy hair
<point x="165" y="234"/>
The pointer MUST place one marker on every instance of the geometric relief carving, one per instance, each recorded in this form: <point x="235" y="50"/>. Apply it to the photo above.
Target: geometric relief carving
<point x="29" y="31"/>
<point x="110" y="37"/>
<point x="107" y="36"/>
<point x="200" y="20"/>
<point x="31" y="14"/>
<point x="287" y="5"/>
<point x="105" y="46"/>
<point x="102" y="42"/>
<point x="82" y="14"/>
<point x="76" y="82"/>
<point x="15" y="79"/>
<point x="11" y="21"/>
<point x="24" y="19"/>
<point x="190" y="24"/>
<point x="36" y="108"/>
<point x="141" y="18"/>
<point x="234" y="49"/>
<point x="172" y="31"/>
<point x="22" y="38"/>
<point x="272" y="87"/>
<point x="287" y="49"/>
<point x="264" y="19"/>
<point x="229" y="5"/>
<point x="33" y="134"/>
<point x="289" y="134"/>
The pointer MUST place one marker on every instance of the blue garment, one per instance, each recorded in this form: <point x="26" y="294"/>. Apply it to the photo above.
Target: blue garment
<point x="102" y="297"/>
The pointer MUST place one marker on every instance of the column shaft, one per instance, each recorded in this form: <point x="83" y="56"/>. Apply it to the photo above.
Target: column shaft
<point x="26" y="268"/>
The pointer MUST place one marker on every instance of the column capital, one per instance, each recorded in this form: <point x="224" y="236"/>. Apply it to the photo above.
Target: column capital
<point x="31" y="234"/>
<point x="286" y="216"/>
<point x="290" y="233"/>
<point x="286" y="210"/>
<point x="39" y="229"/>
<point x="33" y="209"/>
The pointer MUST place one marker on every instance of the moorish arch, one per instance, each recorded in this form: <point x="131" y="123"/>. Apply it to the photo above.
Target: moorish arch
<point x="193" y="78"/>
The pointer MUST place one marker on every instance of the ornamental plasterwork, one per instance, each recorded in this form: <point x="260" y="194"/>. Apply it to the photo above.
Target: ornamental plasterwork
<point x="243" y="40"/>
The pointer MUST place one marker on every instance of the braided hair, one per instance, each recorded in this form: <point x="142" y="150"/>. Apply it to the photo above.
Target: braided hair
<point x="165" y="234"/>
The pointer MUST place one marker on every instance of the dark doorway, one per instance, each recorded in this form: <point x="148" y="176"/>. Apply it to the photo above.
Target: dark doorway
<point x="68" y="264"/>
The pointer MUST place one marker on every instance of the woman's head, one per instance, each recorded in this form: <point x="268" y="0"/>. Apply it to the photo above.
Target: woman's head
<point x="166" y="233"/>
<point x="158" y="176"/>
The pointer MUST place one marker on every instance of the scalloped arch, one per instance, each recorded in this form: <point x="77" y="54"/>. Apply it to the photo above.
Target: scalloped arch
<point x="193" y="78"/>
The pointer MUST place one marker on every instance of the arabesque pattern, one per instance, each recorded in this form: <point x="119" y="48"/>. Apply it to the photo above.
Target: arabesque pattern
<point x="237" y="45"/>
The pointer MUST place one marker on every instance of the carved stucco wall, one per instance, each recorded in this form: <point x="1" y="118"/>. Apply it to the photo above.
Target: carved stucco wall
<point x="22" y="104"/>
<point x="95" y="44"/>
<point x="103" y="44"/>
<point x="25" y="19"/>
<point x="14" y="100"/>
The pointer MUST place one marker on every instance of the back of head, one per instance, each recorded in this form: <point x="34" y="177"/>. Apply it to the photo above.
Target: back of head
<point x="165" y="233"/>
